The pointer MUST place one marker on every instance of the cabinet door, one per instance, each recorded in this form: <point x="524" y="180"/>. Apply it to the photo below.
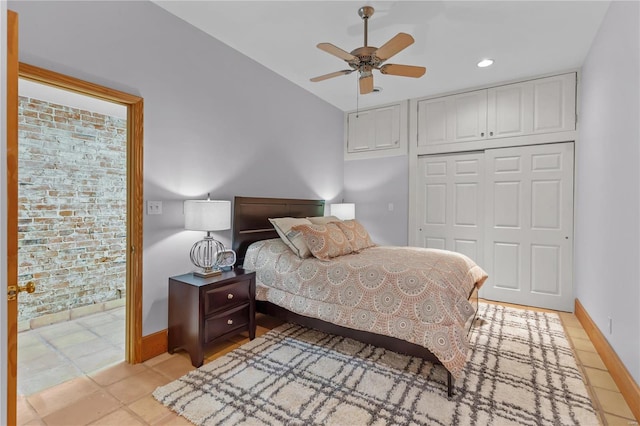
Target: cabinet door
<point x="361" y="135"/>
<point x="374" y="129"/>
<point x="451" y="203"/>
<point x="467" y="116"/>
<point x="554" y="104"/>
<point x="432" y="122"/>
<point x="510" y="110"/>
<point x="529" y="230"/>
<point x="387" y="127"/>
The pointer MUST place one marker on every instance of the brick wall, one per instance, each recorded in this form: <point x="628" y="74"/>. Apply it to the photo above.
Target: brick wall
<point x="72" y="207"/>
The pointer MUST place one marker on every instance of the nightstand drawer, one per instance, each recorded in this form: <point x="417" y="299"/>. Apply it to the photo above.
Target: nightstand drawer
<point x="226" y="322"/>
<point x="226" y="296"/>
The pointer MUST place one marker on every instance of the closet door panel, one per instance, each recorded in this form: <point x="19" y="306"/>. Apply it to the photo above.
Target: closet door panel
<point x="529" y="230"/>
<point x="450" y="203"/>
<point x="507" y="263"/>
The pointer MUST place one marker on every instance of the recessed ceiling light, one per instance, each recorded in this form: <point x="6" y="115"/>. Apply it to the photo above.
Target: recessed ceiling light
<point x="485" y="63"/>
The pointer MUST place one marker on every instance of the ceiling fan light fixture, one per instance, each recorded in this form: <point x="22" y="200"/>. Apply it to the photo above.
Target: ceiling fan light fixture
<point x="485" y="63"/>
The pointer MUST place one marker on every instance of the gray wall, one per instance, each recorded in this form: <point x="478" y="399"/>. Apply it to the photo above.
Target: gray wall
<point x="374" y="184"/>
<point x="215" y="121"/>
<point x="607" y="206"/>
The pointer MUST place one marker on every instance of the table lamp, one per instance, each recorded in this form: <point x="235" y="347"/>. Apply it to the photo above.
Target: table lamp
<point x="207" y="215"/>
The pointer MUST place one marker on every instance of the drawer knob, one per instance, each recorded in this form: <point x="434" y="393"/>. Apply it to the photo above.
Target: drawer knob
<point x="229" y="296"/>
<point x="230" y="321"/>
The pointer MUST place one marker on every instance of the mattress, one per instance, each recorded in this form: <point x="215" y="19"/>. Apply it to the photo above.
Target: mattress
<point x="415" y="294"/>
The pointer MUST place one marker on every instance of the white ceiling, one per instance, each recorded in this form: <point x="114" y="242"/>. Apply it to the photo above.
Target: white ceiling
<point x="525" y="38"/>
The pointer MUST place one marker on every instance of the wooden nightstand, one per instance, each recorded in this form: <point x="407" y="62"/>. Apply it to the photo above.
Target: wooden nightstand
<point x="203" y="311"/>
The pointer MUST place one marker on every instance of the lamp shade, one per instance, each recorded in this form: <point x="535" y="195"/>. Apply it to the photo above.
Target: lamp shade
<point x="343" y="211"/>
<point x="207" y="215"/>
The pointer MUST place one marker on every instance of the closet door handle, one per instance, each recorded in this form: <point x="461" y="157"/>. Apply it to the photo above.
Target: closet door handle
<point x="482" y="134"/>
<point x="490" y="133"/>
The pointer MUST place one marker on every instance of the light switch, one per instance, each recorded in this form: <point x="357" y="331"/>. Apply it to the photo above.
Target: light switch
<point x="154" y="207"/>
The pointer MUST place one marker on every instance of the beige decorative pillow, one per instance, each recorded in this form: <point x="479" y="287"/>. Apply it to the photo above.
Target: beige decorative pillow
<point x="325" y="241"/>
<point x="356" y="234"/>
<point x="293" y="239"/>
<point x="323" y="220"/>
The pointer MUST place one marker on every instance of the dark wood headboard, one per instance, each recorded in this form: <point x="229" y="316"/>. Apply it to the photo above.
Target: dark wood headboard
<point x="251" y="219"/>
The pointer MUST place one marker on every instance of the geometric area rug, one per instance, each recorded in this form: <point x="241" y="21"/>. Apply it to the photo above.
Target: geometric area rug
<point x="520" y="370"/>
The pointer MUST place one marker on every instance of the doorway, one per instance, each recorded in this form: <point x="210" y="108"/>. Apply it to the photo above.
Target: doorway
<point x="72" y="170"/>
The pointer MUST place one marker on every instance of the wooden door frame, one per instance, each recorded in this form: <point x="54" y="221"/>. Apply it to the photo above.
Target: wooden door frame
<point x="135" y="203"/>
<point x="12" y="212"/>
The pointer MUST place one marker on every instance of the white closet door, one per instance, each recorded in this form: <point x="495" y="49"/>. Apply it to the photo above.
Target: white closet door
<point x="529" y="232"/>
<point x="451" y="203"/>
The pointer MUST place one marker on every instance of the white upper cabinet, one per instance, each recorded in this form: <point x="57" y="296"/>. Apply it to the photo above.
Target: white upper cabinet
<point x="534" y="107"/>
<point x="554" y="104"/>
<point x="361" y="131"/>
<point x="376" y="132"/>
<point x="468" y="116"/>
<point x="510" y="110"/>
<point x="433" y="128"/>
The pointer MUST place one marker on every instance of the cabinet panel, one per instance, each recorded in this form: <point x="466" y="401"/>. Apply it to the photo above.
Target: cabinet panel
<point x="387" y="127"/>
<point x="432" y="122"/>
<point x="361" y="132"/>
<point x="510" y="110"/>
<point x="467" y="116"/>
<point x="554" y="104"/>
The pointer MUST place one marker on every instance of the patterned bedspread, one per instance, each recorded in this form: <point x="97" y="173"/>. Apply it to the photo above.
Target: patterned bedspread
<point x="415" y="294"/>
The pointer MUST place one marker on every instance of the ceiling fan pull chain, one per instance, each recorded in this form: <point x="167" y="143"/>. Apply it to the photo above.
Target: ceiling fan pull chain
<point x="357" y="99"/>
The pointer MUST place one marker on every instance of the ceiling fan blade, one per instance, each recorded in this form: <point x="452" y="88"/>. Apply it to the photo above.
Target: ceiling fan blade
<point x="366" y="84"/>
<point x="393" y="46"/>
<point x="336" y="51"/>
<point x="331" y="75"/>
<point x="403" y="70"/>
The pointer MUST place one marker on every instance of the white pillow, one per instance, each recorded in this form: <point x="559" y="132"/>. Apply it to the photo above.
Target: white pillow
<point x="323" y="220"/>
<point x="293" y="239"/>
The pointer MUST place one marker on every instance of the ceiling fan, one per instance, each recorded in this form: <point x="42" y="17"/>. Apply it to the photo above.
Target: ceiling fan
<point x="367" y="58"/>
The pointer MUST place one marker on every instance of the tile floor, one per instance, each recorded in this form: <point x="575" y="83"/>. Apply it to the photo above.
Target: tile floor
<point x="54" y="354"/>
<point x="121" y="395"/>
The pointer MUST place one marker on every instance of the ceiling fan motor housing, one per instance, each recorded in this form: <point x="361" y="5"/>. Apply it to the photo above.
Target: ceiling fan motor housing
<point x="366" y="56"/>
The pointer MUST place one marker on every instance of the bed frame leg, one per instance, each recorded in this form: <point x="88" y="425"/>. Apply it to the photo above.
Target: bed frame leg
<point x="449" y="384"/>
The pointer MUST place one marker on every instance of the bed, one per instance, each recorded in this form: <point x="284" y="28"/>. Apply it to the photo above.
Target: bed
<point x="319" y="305"/>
